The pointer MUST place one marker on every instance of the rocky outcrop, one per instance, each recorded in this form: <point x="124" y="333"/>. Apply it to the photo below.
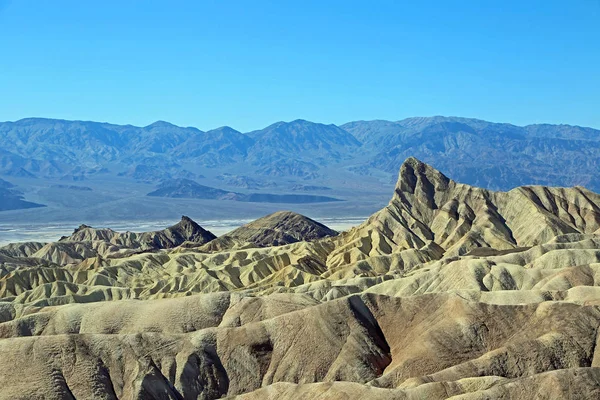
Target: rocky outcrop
<point x="429" y="208"/>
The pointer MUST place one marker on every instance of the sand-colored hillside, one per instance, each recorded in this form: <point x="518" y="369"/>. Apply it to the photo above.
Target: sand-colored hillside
<point x="450" y="291"/>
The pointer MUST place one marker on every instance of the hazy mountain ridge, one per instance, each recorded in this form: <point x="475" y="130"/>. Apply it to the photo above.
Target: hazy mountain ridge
<point x="303" y="140"/>
<point x="215" y="147"/>
<point x="45" y="147"/>
<point x="476" y="152"/>
<point x="284" y="155"/>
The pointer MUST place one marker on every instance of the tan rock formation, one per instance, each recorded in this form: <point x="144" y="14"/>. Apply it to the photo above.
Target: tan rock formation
<point x="450" y="291"/>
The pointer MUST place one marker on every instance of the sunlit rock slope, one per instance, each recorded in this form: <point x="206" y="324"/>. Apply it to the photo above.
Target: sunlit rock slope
<point x="450" y="291"/>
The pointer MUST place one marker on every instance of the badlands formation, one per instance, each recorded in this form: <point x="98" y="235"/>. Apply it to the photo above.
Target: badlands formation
<point x="450" y="291"/>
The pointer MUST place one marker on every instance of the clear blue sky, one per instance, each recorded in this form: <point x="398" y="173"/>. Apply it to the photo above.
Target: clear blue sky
<point x="250" y="63"/>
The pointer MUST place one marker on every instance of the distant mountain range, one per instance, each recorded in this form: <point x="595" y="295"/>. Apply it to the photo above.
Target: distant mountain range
<point x="188" y="189"/>
<point x="301" y="153"/>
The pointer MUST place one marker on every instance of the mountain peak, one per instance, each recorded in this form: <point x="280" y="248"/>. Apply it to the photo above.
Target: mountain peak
<point x="188" y="230"/>
<point x="276" y="229"/>
<point x="224" y="129"/>
<point x="82" y="227"/>
<point x="188" y="224"/>
<point x="304" y="122"/>
<point x="187" y="220"/>
<point x="160" y="124"/>
<point x="414" y="162"/>
<point x="299" y="136"/>
<point x="283" y="227"/>
<point x="415" y="175"/>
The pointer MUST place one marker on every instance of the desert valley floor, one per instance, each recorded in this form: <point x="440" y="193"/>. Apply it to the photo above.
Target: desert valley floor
<point x="450" y="291"/>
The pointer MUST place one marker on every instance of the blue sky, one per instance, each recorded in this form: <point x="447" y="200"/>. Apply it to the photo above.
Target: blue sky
<point x="247" y="64"/>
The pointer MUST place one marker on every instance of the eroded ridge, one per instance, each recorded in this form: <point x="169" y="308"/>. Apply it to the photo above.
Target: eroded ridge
<point x="450" y="291"/>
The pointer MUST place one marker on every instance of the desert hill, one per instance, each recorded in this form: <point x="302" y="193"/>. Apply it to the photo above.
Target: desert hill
<point x="185" y="230"/>
<point x="450" y="291"/>
<point x="87" y="242"/>
<point x="277" y="229"/>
